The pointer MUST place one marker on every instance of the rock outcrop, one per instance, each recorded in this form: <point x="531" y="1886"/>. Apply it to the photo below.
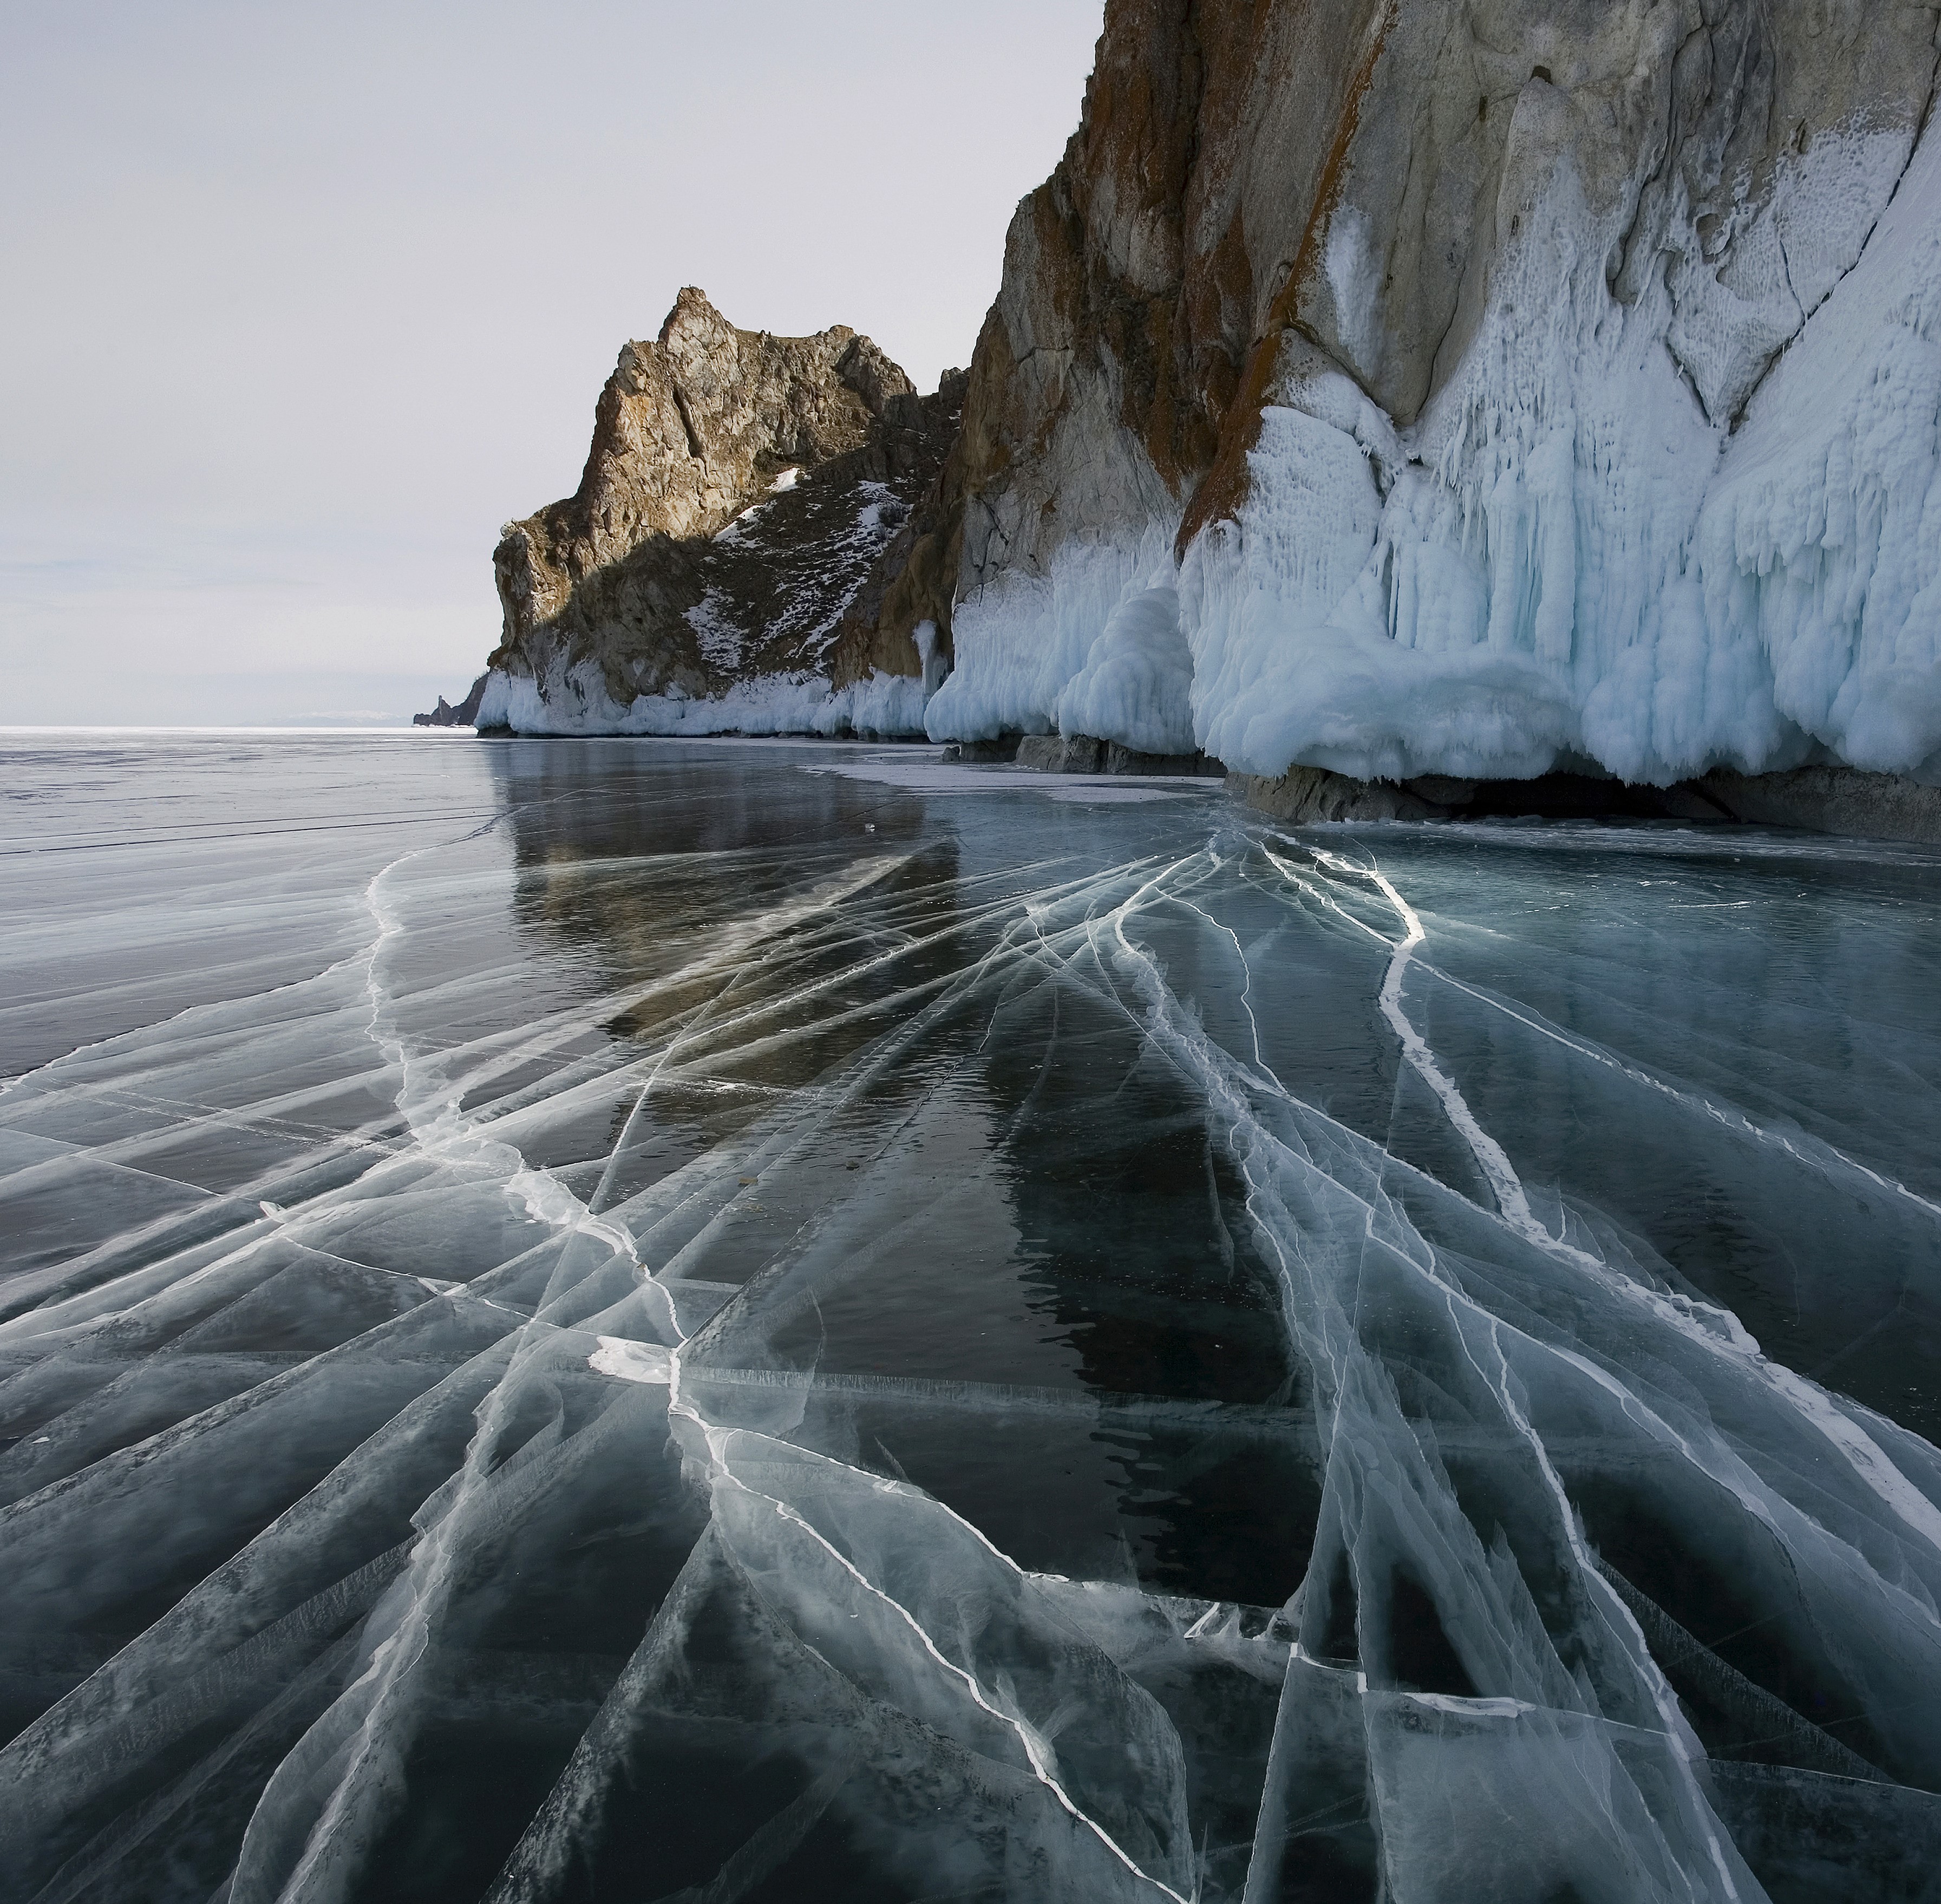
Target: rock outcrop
<point x="740" y="492"/>
<point x="1468" y="388"/>
<point x="465" y="714"/>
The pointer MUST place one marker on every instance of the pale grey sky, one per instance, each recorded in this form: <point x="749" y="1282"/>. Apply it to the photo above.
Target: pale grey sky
<point x="299" y="303"/>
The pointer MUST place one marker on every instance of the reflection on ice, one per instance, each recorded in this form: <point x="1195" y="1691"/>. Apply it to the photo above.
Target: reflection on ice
<point x="734" y="1330"/>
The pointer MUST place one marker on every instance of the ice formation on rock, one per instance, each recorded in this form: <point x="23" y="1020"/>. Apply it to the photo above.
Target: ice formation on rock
<point x="1021" y="639"/>
<point x="577" y="702"/>
<point x="1567" y="555"/>
<point x="1136" y="679"/>
<point x="1533" y="393"/>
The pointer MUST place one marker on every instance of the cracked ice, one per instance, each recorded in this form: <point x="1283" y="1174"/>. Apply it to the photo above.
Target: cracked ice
<point x="658" y="1323"/>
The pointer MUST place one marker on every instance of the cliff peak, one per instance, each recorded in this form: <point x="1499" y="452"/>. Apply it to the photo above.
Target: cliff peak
<point x="738" y="486"/>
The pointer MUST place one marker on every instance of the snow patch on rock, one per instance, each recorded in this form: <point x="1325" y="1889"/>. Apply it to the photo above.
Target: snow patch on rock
<point x="720" y="636"/>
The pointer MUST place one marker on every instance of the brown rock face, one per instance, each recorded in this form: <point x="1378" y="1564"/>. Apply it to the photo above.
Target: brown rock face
<point x="914" y="579"/>
<point x="739" y="489"/>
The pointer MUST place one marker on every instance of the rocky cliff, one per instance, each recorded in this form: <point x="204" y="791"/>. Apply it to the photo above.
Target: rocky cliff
<point x="709" y="571"/>
<point x="1470" y="387"/>
<point x="465" y="714"/>
<point x="1466" y="389"/>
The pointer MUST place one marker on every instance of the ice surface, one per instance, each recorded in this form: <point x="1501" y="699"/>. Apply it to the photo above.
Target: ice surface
<point x="909" y="769"/>
<point x="1620" y="531"/>
<point x="723" y="1328"/>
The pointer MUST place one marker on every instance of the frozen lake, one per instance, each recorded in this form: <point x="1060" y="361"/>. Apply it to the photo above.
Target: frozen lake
<point x="628" y="1320"/>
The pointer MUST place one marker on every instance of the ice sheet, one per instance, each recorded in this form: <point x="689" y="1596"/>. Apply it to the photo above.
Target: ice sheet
<point x="760" y="1325"/>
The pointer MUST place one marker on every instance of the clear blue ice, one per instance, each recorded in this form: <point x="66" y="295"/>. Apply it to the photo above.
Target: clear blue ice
<point x="640" y="1320"/>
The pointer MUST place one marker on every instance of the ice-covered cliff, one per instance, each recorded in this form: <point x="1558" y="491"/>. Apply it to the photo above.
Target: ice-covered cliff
<point x="737" y="556"/>
<point x="1468" y="388"/>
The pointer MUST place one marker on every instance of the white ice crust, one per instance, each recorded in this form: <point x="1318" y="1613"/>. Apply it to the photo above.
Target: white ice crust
<point x="1020" y="639"/>
<point x="632" y="1361"/>
<point x="1590" y="544"/>
<point x="1137" y="678"/>
<point x="577" y="703"/>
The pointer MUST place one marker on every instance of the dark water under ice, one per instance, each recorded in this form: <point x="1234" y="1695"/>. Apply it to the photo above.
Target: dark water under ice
<point x="622" y="1321"/>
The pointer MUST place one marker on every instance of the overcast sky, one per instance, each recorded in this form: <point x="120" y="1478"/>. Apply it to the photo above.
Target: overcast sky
<point x="300" y="303"/>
